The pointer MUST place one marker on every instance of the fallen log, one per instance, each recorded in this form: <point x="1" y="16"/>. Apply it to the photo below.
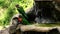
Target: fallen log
<point x="34" y="28"/>
<point x="24" y="28"/>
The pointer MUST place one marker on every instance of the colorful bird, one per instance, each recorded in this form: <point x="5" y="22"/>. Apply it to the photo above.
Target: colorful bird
<point x="24" y="18"/>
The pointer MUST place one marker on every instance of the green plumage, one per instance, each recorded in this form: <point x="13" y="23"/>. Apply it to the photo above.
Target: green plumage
<point x="24" y="16"/>
<point x="21" y="10"/>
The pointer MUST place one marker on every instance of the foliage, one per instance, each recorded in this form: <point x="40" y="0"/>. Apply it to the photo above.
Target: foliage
<point x="9" y="9"/>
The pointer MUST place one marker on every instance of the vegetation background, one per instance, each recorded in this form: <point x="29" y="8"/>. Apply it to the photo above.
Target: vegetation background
<point x="8" y="9"/>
